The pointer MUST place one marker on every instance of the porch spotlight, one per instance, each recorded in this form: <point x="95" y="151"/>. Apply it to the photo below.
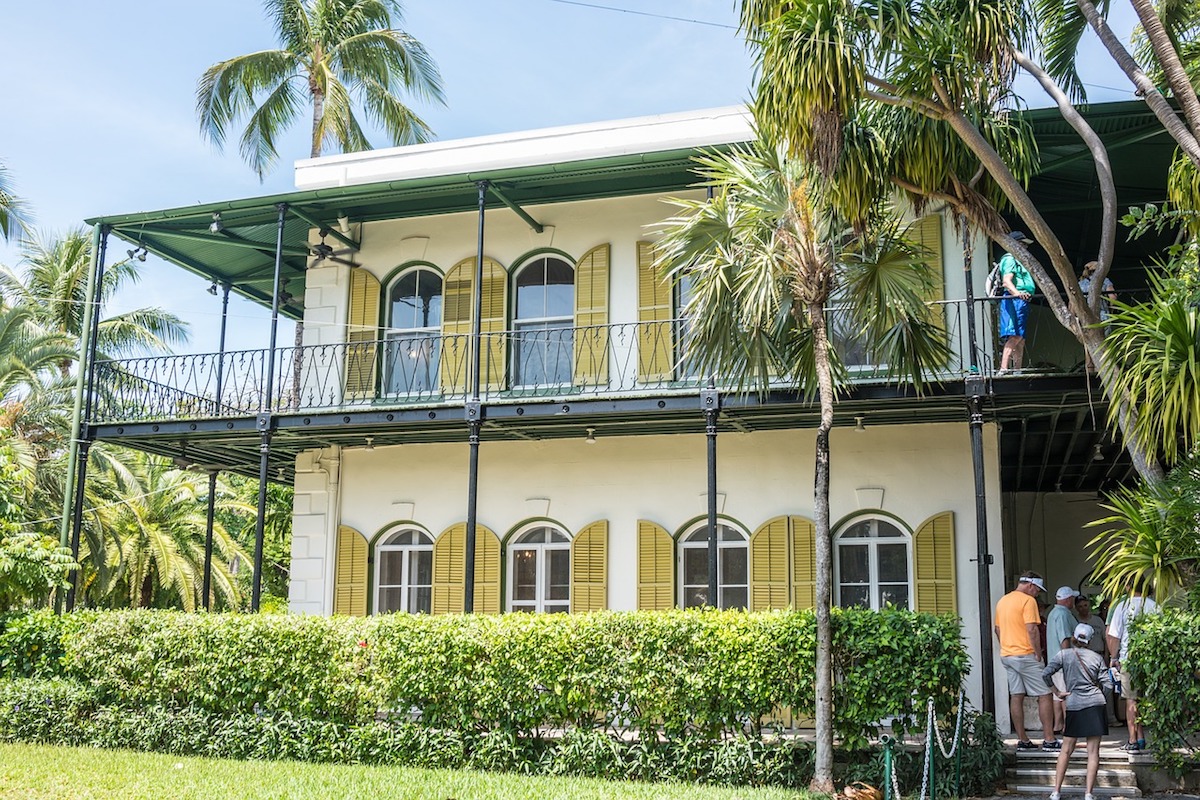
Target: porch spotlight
<point x="1097" y="454"/>
<point x="138" y="252"/>
<point x="591" y="436"/>
<point x="213" y="289"/>
<point x="217" y="226"/>
<point x="860" y="424"/>
<point x="370" y="442"/>
<point x="343" y="224"/>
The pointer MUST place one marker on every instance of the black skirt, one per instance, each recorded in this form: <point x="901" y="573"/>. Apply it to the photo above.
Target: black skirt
<point x="1090" y="721"/>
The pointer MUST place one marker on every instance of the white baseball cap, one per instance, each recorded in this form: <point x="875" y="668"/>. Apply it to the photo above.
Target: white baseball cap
<point x="1065" y="592"/>
<point x="1083" y="633"/>
<point x="1035" y="581"/>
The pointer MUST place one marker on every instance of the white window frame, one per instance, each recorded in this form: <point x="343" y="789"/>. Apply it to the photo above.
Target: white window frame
<point x="406" y="551"/>
<point x="534" y="324"/>
<point x="872" y="542"/>
<point x="431" y="334"/>
<point x="685" y="544"/>
<point x="539" y="549"/>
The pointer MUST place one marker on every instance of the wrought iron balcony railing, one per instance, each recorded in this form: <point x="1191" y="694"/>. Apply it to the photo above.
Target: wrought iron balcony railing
<point x="405" y="369"/>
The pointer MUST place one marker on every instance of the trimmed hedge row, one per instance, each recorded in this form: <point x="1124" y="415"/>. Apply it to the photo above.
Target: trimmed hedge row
<point x="1164" y="658"/>
<point x="68" y="713"/>
<point x="675" y="675"/>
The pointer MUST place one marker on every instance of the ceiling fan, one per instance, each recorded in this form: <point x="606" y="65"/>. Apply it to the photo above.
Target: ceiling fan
<point x="324" y="252"/>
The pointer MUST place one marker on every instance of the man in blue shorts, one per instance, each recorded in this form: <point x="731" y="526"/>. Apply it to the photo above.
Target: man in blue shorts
<point x="1014" y="307"/>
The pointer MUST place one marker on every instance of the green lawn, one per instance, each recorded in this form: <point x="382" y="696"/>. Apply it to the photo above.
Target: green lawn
<point x="33" y="771"/>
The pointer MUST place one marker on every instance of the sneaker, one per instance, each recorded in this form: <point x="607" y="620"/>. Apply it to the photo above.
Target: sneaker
<point x="1054" y="795"/>
<point x="1141" y="744"/>
<point x="1026" y="745"/>
<point x="1089" y="796"/>
<point x="1052" y="746"/>
<point x="1131" y="747"/>
<point x="1000" y="373"/>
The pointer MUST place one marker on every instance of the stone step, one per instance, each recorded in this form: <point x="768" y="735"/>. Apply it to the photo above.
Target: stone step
<point x="1075" y="777"/>
<point x="1075" y="792"/>
<point x="1108" y="758"/>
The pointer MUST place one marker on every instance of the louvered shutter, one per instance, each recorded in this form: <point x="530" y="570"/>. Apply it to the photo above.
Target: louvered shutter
<point x="350" y="573"/>
<point x="769" y="568"/>
<point x="456" y="328"/>
<point x="656" y="567"/>
<point x="362" y="333"/>
<point x="933" y="554"/>
<point x="591" y="317"/>
<point x="449" y="562"/>
<point x="656" y="340"/>
<point x="927" y="231"/>
<point x="804" y="562"/>
<point x="589" y="569"/>
<point x="493" y="357"/>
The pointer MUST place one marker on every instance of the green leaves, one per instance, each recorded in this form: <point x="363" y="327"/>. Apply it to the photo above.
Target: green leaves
<point x="1164" y="659"/>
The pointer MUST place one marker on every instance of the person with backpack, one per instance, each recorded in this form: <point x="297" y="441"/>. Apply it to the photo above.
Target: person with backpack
<point x="1014" y="307"/>
<point x="1086" y="678"/>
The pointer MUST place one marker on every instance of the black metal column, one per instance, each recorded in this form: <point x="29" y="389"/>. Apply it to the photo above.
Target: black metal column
<point x="474" y="412"/>
<point x="266" y="406"/>
<point x="975" y="390"/>
<point x="212" y="474"/>
<point x="88" y="364"/>
<point x="710" y="401"/>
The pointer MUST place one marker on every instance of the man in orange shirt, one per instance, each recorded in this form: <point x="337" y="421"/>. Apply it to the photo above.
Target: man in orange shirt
<point x="1017" y="621"/>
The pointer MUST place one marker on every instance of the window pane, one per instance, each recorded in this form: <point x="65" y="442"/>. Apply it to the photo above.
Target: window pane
<point x="733" y="566"/>
<point x="698" y="535"/>
<point x="554" y="536"/>
<point x="733" y="598"/>
<point x="695" y="566"/>
<point x="412" y="362"/>
<point x="542" y="353"/>
<point x="533" y="536"/>
<point x="525" y="575"/>
<point x="896" y="594"/>
<point x="729" y="534"/>
<point x="557" y="608"/>
<point x="420" y="567"/>
<point x="855" y="596"/>
<point x="855" y="567"/>
<point x="887" y="530"/>
<point x="416" y="300"/>
<point x="558" y="573"/>
<point x="420" y="601"/>
<point x="390" y="600"/>
<point x="893" y="563"/>
<point x="859" y="530"/>
<point x="391" y="567"/>
<point x="695" y="597"/>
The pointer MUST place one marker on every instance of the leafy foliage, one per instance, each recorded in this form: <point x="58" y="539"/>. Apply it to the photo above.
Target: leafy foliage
<point x="1164" y="657"/>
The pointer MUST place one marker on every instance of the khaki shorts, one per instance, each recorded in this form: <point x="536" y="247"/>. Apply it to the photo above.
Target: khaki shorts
<point x="1060" y="682"/>
<point x="1127" y="690"/>
<point x="1025" y="675"/>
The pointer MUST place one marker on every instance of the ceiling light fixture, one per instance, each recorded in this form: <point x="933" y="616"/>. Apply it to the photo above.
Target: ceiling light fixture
<point x="213" y="289"/>
<point x="217" y="225"/>
<point x="1097" y="454"/>
<point x="138" y="252"/>
<point x="370" y="442"/>
<point x="343" y="224"/>
<point x="591" y="436"/>
<point x="860" y="424"/>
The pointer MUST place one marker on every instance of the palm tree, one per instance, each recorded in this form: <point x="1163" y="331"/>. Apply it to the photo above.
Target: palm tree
<point x="330" y="51"/>
<point x="26" y="352"/>
<point x="764" y="257"/>
<point x="156" y="516"/>
<point x="12" y="208"/>
<point x="53" y="286"/>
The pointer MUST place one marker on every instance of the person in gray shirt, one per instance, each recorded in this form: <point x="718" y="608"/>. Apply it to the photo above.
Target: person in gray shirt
<point x="1086" y="679"/>
<point x="1059" y="625"/>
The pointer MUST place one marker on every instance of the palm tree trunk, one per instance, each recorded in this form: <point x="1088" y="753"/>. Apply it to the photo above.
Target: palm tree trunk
<point x="822" y="781"/>
<point x="1168" y="59"/>
<point x="147" y="593"/>
<point x="318" y="113"/>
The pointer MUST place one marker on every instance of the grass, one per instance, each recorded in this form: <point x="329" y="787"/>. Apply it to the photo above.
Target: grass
<point x="40" y="771"/>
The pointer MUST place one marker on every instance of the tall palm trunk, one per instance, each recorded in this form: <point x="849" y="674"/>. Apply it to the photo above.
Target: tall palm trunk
<point x="822" y="781"/>
<point x="318" y="98"/>
<point x="146" y="595"/>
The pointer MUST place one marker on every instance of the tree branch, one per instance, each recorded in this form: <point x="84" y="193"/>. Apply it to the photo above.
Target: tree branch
<point x="1108" y="189"/>
<point x="1168" y="58"/>
<point x="1154" y="98"/>
<point x="899" y="99"/>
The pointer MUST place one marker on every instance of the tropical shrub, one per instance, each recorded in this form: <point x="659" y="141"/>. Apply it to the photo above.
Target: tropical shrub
<point x="1164" y="657"/>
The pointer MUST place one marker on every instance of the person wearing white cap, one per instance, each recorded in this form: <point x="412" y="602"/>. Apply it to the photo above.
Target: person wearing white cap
<point x="1086" y="679"/>
<point x="1018" y="627"/>
<point x="1060" y="624"/>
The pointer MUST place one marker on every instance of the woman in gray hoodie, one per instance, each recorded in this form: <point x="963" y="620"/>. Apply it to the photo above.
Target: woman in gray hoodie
<point x="1086" y="678"/>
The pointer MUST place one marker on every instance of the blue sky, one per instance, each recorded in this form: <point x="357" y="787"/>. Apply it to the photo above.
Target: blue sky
<point x="102" y="119"/>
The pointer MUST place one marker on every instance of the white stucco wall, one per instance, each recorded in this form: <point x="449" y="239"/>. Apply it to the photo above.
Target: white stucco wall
<point x="1049" y="532"/>
<point x="922" y="470"/>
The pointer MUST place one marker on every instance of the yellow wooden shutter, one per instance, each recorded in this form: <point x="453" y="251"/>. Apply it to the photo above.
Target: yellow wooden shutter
<point x="656" y="338"/>
<point x="493" y="358"/>
<point x="449" y="562"/>
<point x="927" y="232"/>
<point x="656" y="567"/>
<point x="362" y="332"/>
<point x="457" y="311"/>
<point x="589" y="569"/>
<point x="804" y="562"/>
<point x="350" y="573"/>
<point x="933" y="554"/>
<point x="769" y="568"/>
<point x="591" y="317"/>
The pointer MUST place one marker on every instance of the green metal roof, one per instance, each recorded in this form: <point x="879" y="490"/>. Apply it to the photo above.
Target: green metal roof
<point x="242" y="253"/>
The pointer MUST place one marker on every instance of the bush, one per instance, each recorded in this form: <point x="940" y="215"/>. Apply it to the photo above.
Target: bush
<point x="1164" y="660"/>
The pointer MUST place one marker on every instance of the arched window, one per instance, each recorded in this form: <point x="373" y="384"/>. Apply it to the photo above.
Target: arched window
<point x="404" y="572"/>
<point x="874" y="564"/>
<point x="733" y="567"/>
<point x="544" y="318"/>
<point x="414" y="325"/>
<point x="539" y="568"/>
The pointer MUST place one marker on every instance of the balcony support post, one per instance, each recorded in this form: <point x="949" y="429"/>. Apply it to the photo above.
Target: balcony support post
<point x="474" y="411"/>
<point x="212" y="474"/>
<point x="266" y="407"/>
<point x="975" y="389"/>
<point x="85" y="386"/>
<point x="710" y="402"/>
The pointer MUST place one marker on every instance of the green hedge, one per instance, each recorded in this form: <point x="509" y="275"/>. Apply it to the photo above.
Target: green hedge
<point x="677" y="675"/>
<point x="1164" y="662"/>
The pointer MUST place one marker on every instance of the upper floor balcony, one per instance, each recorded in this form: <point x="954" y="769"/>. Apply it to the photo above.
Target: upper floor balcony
<point x="430" y="368"/>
